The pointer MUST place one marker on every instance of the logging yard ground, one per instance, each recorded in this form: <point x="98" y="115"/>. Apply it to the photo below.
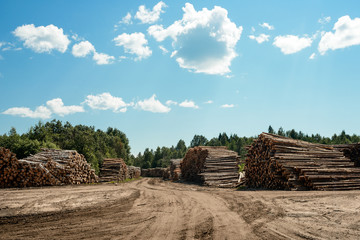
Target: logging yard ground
<point x="151" y="208"/>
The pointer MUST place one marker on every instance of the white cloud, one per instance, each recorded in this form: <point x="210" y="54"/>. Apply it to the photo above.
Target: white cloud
<point x="164" y="50"/>
<point x="252" y="29"/>
<point x="347" y="33"/>
<point x="209" y="102"/>
<point x="57" y="106"/>
<point x="227" y="106"/>
<point x="134" y="43"/>
<point x="148" y="16"/>
<point x="290" y="44"/>
<point x="106" y="101"/>
<point x="126" y="19"/>
<point x="102" y="58"/>
<point x="188" y="104"/>
<point x="204" y="41"/>
<point x="2" y="44"/>
<point x="82" y="49"/>
<point x="312" y="56"/>
<point x="171" y="102"/>
<point x="261" y="38"/>
<point x="324" y="20"/>
<point x="42" y="39"/>
<point x="40" y="112"/>
<point x="267" y="25"/>
<point x="152" y="105"/>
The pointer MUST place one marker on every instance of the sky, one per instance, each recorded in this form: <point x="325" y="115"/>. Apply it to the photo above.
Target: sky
<point x="161" y="71"/>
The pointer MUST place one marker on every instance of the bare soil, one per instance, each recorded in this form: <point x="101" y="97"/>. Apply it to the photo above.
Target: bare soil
<point x="156" y="209"/>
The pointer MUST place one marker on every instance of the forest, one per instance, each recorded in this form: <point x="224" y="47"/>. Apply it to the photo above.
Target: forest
<point x="97" y="144"/>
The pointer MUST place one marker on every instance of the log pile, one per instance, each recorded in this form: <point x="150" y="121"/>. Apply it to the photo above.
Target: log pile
<point x="352" y="151"/>
<point x="154" y="172"/>
<point x="211" y="166"/>
<point x="175" y="171"/>
<point x="113" y="169"/>
<point x="48" y="168"/>
<point x="68" y="166"/>
<point x="275" y="162"/>
<point x="133" y="172"/>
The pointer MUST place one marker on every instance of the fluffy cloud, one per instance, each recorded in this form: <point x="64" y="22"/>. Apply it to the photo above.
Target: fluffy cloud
<point x="227" y="106"/>
<point x="347" y="33"/>
<point x="312" y="56"/>
<point x="106" y="101"/>
<point x="188" y="104"/>
<point x="40" y="112"/>
<point x="261" y="38"/>
<point x="324" y="20"/>
<point x="209" y="102"/>
<point x="82" y="49"/>
<point x="267" y="25"/>
<point x="171" y="102"/>
<point x="42" y="39"/>
<point x="290" y="44"/>
<point x="134" y="43"/>
<point x="148" y="16"/>
<point x="102" y="58"/>
<point x="203" y="41"/>
<point x="57" y="106"/>
<point x="152" y="105"/>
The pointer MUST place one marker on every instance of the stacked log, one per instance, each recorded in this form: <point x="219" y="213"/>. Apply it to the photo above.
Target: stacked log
<point x="276" y="162"/>
<point x="352" y="151"/>
<point x="154" y="172"/>
<point x="175" y="171"/>
<point x="67" y="166"/>
<point x="134" y="172"/>
<point x="113" y="169"/>
<point x="48" y="168"/>
<point x="211" y="166"/>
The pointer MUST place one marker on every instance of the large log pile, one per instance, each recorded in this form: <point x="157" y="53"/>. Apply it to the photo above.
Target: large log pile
<point x="175" y="171"/>
<point x="113" y="169"/>
<point x="352" y="151"/>
<point x="276" y="162"/>
<point x="212" y="166"/>
<point x="50" y="167"/>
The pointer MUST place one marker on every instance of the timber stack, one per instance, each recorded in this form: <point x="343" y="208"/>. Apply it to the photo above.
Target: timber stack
<point x="68" y="166"/>
<point x="48" y="168"/>
<point x="113" y="169"/>
<point x="175" y="171"/>
<point x="154" y="172"/>
<point x="276" y="162"/>
<point x="211" y="166"/>
<point x="351" y="151"/>
<point x="133" y="172"/>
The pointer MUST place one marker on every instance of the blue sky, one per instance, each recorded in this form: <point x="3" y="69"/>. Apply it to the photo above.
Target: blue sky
<point x="164" y="71"/>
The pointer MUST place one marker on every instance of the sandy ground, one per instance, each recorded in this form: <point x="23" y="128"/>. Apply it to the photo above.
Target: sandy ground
<point x="154" y="209"/>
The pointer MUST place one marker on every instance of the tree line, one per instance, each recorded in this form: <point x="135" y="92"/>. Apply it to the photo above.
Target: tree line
<point x="113" y="143"/>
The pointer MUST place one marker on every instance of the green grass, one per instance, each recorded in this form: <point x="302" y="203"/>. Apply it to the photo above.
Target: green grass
<point x="241" y="167"/>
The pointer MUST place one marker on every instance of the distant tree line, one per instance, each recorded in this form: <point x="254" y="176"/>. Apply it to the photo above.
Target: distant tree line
<point x="113" y="143"/>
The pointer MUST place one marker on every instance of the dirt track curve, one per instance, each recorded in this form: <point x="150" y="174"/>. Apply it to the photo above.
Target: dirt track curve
<point x="154" y="209"/>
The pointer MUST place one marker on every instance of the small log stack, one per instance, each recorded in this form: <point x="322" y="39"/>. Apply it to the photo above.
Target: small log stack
<point x="276" y="162"/>
<point x="175" y="171"/>
<point x="113" y="169"/>
<point x="211" y="166"/>
<point x="154" y="172"/>
<point x="133" y="172"/>
<point x="48" y="168"/>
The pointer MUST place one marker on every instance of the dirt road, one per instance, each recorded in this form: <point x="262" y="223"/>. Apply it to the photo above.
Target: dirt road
<point x="154" y="209"/>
